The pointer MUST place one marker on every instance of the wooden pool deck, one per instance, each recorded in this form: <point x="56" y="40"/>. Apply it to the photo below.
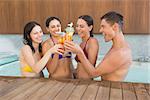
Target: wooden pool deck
<point x="15" y="88"/>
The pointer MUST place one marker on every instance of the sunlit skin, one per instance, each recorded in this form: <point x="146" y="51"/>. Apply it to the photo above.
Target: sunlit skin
<point x="34" y="59"/>
<point x="83" y="31"/>
<point x="107" y="31"/>
<point x="36" y="35"/>
<point x="54" y="27"/>
<point x="116" y="62"/>
<point x="57" y="68"/>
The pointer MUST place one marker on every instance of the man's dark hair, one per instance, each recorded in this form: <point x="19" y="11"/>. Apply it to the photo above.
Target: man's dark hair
<point x="113" y="17"/>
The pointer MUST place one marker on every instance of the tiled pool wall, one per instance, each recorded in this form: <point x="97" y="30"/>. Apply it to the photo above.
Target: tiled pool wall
<point x="140" y="45"/>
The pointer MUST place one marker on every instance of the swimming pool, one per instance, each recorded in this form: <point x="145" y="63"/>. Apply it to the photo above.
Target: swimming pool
<point x="13" y="69"/>
<point x="138" y="72"/>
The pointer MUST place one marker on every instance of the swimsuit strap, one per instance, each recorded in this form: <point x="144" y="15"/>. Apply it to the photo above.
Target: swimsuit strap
<point x="60" y="56"/>
<point x="85" y="44"/>
<point x="53" y="40"/>
<point x="84" y="50"/>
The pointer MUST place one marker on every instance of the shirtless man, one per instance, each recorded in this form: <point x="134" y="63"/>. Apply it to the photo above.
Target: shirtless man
<point x="116" y="62"/>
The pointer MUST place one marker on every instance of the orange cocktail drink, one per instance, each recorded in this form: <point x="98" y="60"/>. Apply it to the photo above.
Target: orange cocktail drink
<point x="69" y="32"/>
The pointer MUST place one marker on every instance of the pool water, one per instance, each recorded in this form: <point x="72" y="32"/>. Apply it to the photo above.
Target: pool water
<point x="13" y="69"/>
<point x="6" y="57"/>
<point x="138" y="72"/>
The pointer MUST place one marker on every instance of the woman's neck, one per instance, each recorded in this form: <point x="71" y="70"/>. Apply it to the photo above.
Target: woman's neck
<point x="119" y="41"/>
<point x="35" y="46"/>
<point x="85" y="38"/>
<point x="54" y="39"/>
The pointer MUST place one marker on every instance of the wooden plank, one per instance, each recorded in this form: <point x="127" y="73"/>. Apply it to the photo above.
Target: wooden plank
<point x="103" y="91"/>
<point x="66" y="91"/>
<point x="141" y="92"/>
<point x="20" y="89"/>
<point x="12" y="85"/>
<point x="26" y="93"/>
<point x="43" y="90"/>
<point x="79" y="90"/>
<point x="4" y="83"/>
<point x="128" y="91"/>
<point x="91" y="91"/>
<point x="116" y="91"/>
<point x="147" y="86"/>
<point x="54" y="91"/>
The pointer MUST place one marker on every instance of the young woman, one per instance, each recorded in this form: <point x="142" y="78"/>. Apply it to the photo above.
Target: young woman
<point x="31" y="61"/>
<point x="59" y="66"/>
<point x="117" y="61"/>
<point x="89" y="44"/>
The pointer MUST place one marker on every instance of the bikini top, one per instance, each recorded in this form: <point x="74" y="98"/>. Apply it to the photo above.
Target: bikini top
<point x="84" y="50"/>
<point x="27" y="68"/>
<point x="61" y="56"/>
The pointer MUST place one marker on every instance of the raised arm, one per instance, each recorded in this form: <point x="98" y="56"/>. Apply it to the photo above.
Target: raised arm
<point x="108" y="65"/>
<point x="52" y="63"/>
<point x="30" y="58"/>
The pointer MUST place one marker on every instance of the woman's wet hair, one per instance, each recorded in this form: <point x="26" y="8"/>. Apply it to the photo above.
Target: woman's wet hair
<point x="26" y="35"/>
<point x="49" y="19"/>
<point x="89" y="20"/>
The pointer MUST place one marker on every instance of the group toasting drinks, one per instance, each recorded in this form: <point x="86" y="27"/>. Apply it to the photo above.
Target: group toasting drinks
<point x="56" y="52"/>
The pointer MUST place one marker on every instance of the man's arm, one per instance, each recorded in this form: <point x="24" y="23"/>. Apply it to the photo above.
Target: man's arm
<point x="108" y="65"/>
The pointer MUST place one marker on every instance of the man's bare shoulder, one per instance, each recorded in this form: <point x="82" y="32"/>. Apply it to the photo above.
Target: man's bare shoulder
<point x="121" y="53"/>
<point x="120" y="56"/>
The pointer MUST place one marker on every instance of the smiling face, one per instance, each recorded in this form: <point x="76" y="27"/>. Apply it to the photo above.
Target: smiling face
<point x="82" y="28"/>
<point x="54" y="27"/>
<point x="107" y="30"/>
<point x="36" y="34"/>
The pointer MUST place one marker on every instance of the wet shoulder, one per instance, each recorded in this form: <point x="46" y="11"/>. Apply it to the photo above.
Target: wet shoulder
<point x="25" y="48"/>
<point x="93" y="41"/>
<point x="47" y="43"/>
<point x="122" y="53"/>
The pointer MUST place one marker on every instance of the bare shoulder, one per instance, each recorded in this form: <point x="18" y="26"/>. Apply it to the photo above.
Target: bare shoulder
<point x="47" y="44"/>
<point x="26" y="48"/>
<point x="93" y="41"/>
<point x="122" y="55"/>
